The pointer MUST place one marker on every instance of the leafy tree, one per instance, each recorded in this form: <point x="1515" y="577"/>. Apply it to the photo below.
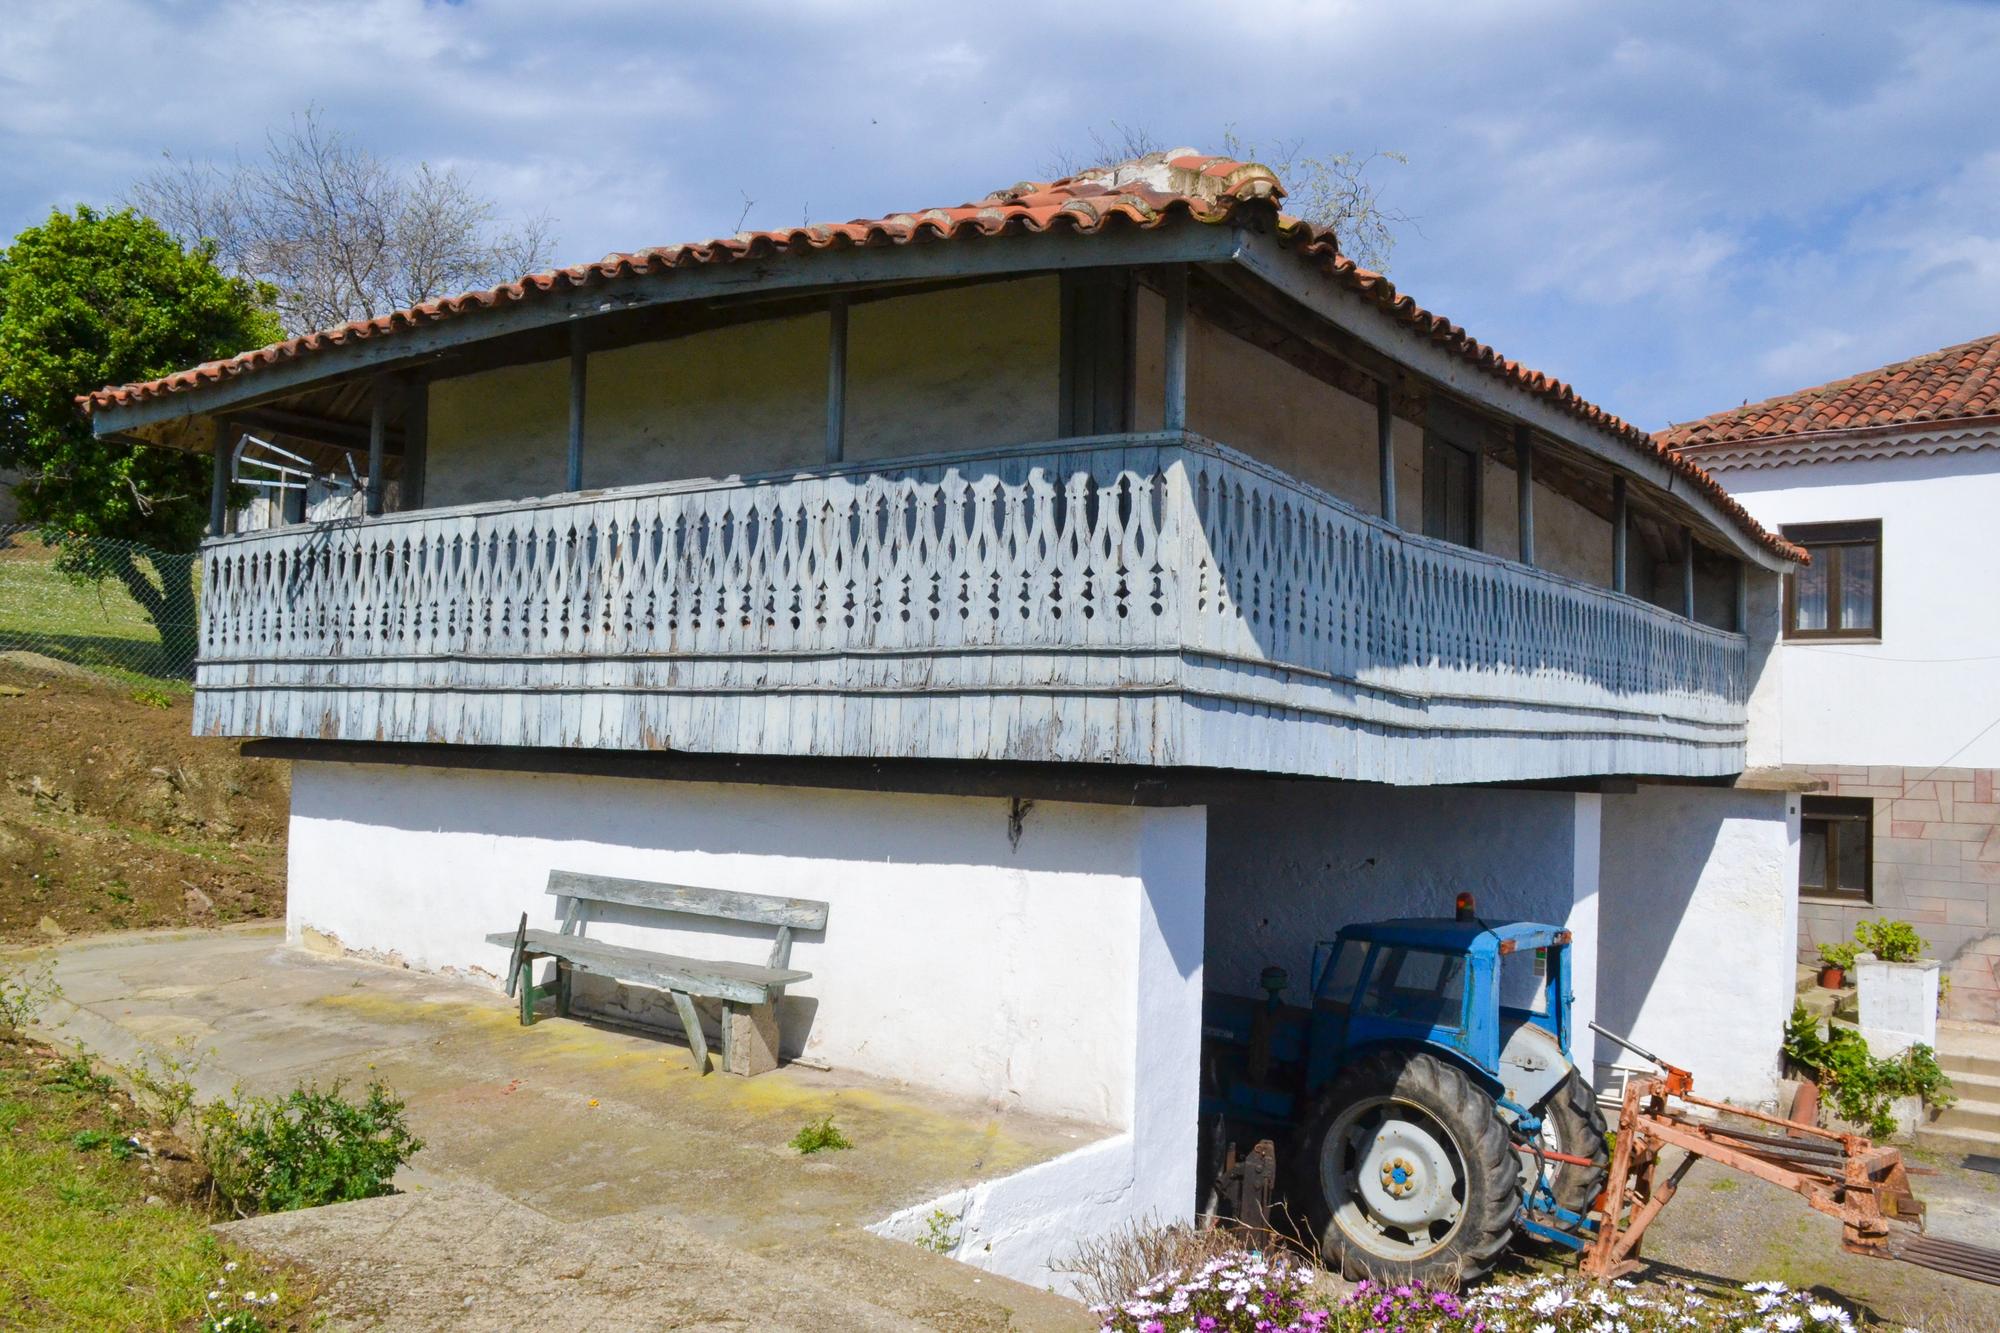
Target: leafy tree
<point x="89" y="299"/>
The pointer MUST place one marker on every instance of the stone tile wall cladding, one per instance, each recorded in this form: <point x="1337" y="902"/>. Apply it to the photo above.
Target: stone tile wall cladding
<point x="1937" y="866"/>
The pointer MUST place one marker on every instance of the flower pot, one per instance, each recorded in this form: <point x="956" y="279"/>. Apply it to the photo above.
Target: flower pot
<point x="1831" y="977"/>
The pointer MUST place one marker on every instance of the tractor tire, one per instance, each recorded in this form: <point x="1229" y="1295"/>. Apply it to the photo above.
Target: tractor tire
<point x="1580" y="1131"/>
<point x="1405" y="1172"/>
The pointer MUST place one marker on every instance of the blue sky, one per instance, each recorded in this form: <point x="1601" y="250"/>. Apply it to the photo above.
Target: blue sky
<point x="1676" y="207"/>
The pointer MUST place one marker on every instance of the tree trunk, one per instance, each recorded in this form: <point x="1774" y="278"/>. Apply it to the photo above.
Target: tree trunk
<point x="172" y="606"/>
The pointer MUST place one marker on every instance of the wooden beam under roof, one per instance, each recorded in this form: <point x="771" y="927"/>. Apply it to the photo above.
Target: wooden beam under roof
<point x="819" y="272"/>
<point x="1376" y="339"/>
<point x="1239" y="305"/>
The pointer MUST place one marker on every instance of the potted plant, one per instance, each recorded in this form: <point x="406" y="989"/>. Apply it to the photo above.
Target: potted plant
<point x="1835" y="961"/>
<point x="1898" y="986"/>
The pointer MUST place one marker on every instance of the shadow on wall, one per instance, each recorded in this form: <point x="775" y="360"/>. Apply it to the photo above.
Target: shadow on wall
<point x="681" y="816"/>
<point x="964" y="924"/>
<point x="1698" y="910"/>
<point x="1295" y="862"/>
<point x="1318" y="583"/>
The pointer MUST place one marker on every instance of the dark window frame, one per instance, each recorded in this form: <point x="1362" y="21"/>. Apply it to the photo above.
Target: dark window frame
<point x="1827" y="542"/>
<point x="1850" y="832"/>
<point x="1099" y="313"/>
<point x="1436" y="521"/>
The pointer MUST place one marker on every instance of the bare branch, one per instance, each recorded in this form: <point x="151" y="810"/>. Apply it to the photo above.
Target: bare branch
<point x="337" y="231"/>
<point x="1336" y="192"/>
<point x="1341" y="191"/>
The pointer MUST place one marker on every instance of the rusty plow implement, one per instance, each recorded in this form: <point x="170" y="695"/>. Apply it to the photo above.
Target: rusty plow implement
<point x="1845" y="1176"/>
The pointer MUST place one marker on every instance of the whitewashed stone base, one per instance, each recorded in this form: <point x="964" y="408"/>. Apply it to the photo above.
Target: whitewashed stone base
<point x="1899" y="1003"/>
<point x="1054" y="968"/>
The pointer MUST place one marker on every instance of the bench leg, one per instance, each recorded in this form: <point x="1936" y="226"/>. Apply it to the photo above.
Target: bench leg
<point x="564" y="973"/>
<point x="749" y="1038"/>
<point x="526" y="990"/>
<point x="684" y="1003"/>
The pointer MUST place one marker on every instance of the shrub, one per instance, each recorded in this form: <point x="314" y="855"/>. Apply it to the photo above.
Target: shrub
<point x="307" y="1148"/>
<point x="164" y="1082"/>
<point x="1891" y="941"/>
<point x="1861" y="1084"/>
<point x="25" y="994"/>
<point x="1107" y="1269"/>
<point x="1231" y="1293"/>
<point x="819" y="1136"/>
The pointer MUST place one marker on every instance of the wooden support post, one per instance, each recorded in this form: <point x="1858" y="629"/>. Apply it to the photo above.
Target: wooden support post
<point x="836" y="380"/>
<point x="1620" y="525"/>
<point x="1524" y="485"/>
<point x="697" y="1040"/>
<point x="1174" y="377"/>
<point x="749" y="1038"/>
<point x="218" y="484"/>
<point x="579" y="363"/>
<point x="1742" y="625"/>
<point x="1687" y="572"/>
<point x="378" y="437"/>
<point x="1385" y="447"/>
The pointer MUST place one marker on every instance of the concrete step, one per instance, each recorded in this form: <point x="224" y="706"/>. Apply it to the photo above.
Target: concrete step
<point x="1983" y="1116"/>
<point x="1830" y="1003"/>
<point x="1959" y="1140"/>
<point x="1975" y="1083"/>
<point x="1968" y="1064"/>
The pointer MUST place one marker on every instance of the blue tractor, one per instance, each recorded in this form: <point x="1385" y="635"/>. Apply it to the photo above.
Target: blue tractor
<point x="1419" y="1109"/>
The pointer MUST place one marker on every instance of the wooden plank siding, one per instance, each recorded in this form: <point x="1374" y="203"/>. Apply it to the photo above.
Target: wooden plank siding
<point x="1153" y="599"/>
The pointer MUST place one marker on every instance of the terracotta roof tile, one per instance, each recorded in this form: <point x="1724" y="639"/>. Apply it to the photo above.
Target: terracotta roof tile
<point x="1147" y="193"/>
<point x="1953" y="384"/>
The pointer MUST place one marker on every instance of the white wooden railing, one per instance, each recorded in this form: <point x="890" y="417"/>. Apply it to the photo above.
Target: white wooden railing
<point x="1057" y="559"/>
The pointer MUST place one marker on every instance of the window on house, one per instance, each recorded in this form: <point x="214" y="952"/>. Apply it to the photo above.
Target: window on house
<point x="1451" y="492"/>
<point x="1839" y="595"/>
<point x="1835" y="848"/>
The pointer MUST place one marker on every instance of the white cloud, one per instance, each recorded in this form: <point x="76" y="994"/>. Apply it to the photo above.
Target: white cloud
<point x="1675" y="209"/>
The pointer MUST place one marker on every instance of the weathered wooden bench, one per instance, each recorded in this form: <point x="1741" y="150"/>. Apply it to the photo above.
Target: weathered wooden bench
<point x="748" y="992"/>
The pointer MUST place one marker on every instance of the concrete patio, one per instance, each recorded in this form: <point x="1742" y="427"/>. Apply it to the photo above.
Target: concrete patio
<point x="570" y="1171"/>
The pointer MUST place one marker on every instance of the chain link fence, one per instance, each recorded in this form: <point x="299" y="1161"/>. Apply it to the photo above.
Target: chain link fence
<point x="116" y="609"/>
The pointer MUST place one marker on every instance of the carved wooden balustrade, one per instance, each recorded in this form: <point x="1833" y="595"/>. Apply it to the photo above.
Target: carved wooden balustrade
<point x="1150" y="599"/>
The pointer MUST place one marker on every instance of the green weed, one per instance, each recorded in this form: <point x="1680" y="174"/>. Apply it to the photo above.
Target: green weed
<point x="820" y="1136"/>
<point x="307" y="1148"/>
<point x="941" y="1234"/>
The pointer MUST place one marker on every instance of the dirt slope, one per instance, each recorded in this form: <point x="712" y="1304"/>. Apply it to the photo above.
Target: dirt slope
<point x="113" y="817"/>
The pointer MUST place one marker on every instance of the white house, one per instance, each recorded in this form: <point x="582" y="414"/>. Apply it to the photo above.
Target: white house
<point x="1095" y="592"/>
<point x="1891" y="650"/>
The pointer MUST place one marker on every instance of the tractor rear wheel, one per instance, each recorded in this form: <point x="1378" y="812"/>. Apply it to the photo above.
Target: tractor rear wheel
<point x="1572" y="1124"/>
<point x="1405" y="1172"/>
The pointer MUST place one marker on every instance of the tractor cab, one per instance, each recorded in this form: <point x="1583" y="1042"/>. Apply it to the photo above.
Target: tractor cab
<point x="1433" y="1044"/>
<point x="1455" y="984"/>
